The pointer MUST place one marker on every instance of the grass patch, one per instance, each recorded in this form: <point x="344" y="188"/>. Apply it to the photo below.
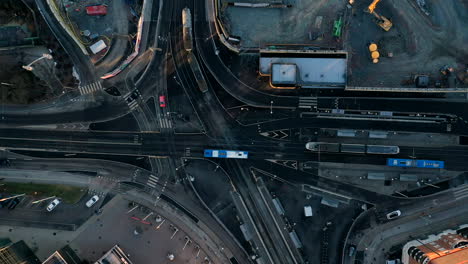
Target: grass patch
<point x="69" y="194"/>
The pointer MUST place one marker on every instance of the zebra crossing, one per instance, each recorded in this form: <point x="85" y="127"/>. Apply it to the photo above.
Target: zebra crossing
<point x="152" y="181"/>
<point x="307" y="102"/>
<point x="165" y="122"/>
<point x="132" y="105"/>
<point x="131" y="99"/>
<point x="461" y="193"/>
<point x="90" y="88"/>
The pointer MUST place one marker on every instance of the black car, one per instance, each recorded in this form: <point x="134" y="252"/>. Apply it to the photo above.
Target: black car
<point x="5" y="203"/>
<point x="14" y="203"/>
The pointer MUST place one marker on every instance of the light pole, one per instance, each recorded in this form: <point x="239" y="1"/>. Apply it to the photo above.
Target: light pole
<point x="41" y="200"/>
<point x="271" y="107"/>
<point x="11" y="197"/>
<point x="44" y="56"/>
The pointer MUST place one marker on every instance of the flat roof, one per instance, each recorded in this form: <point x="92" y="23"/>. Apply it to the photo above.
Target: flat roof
<point x="114" y="256"/>
<point x="283" y="73"/>
<point x="311" y="72"/>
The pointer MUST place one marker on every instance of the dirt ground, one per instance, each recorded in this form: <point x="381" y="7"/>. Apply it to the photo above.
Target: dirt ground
<point x="420" y="43"/>
<point x="261" y="26"/>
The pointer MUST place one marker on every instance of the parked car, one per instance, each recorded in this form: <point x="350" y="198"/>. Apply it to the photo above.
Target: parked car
<point x="162" y="101"/>
<point x="14" y="203"/>
<point x="393" y="215"/>
<point x="92" y="201"/>
<point x="52" y="205"/>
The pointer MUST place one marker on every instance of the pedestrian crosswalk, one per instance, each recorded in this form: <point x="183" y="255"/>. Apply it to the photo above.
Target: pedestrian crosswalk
<point x="165" y="122"/>
<point x="90" y="88"/>
<point x="152" y="181"/>
<point x="132" y="105"/>
<point x="307" y="102"/>
<point x="131" y="99"/>
<point x="461" y="192"/>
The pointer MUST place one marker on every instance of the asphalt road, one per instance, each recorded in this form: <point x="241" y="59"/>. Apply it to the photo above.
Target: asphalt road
<point x="221" y="130"/>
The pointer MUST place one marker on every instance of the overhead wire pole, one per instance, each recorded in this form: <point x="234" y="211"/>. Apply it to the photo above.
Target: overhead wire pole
<point x="11" y="197"/>
<point x="41" y="200"/>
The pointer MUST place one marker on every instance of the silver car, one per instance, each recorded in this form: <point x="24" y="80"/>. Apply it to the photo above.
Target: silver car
<point x="92" y="201"/>
<point x="52" y="205"/>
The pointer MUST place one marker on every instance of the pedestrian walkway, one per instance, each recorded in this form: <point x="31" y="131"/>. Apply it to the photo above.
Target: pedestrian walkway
<point x="131" y="100"/>
<point x="132" y="105"/>
<point x="461" y="192"/>
<point x="152" y="181"/>
<point x="90" y="88"/>
<point x="307" y="102"/>
<point x="165" y="122"/>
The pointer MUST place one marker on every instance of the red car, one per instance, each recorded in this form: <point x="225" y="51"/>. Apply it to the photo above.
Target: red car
<point x="162" y="101"/>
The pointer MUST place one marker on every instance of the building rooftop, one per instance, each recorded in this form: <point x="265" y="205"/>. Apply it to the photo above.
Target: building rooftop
<point x="114" y="256"/>
<point x="283" y="74"/>
<point x="458" y="257"/>
<point x="312" y="70"/>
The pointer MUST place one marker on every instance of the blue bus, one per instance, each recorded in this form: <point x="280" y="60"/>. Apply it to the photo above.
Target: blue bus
<point x="400" y="162"/>
<point x="433" y="164"/>
<point x="228" y="154"/>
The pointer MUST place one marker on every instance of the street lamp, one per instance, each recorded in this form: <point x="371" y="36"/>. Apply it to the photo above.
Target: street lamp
<point x="11" y="197"/>
<point x="44" y="56"/>
<point x="41" y="200"/>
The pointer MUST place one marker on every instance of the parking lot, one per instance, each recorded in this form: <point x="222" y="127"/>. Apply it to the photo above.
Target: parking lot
<point x="147" y="236"/>
<point x="31" y="211"/>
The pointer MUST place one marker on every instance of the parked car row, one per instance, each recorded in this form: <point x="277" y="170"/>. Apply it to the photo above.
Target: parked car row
<point x="12" y="203"/>
<point x="56" y="202"/>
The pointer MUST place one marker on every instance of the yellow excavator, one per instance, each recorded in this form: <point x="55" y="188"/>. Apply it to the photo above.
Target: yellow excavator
<point x="382" y="21"/>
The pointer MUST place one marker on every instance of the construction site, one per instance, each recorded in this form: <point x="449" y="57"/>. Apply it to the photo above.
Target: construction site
<point x="390" y="45"/>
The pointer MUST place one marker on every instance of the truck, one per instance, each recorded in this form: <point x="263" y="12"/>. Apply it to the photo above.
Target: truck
<point x="227" y="154"/>
<point x="431" y="164"/>
<point x="187" y="29"/>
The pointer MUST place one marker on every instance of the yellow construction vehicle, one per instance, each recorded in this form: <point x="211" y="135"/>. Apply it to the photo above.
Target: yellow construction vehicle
<point x="382" y="21"/>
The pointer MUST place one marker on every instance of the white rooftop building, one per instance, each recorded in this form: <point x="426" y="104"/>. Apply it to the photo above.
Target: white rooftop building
<point x="304" y="68"/>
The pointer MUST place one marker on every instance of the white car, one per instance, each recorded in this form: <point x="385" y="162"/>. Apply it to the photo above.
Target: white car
<point x="52" y="205"/>
<point x="393" y="215"/>
<point x="92" y="201"/>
